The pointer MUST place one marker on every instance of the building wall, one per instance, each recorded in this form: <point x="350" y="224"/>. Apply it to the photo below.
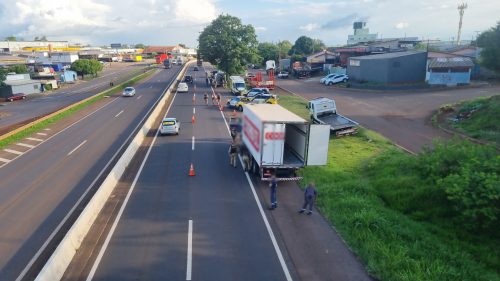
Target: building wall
<point x="19" y="45"/>
<point x="26" y="88"/>
<point x="449" y="78"/>
<point x="368" y="70"/>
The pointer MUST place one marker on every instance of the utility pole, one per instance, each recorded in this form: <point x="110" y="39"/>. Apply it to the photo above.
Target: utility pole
<point x="461" y="11"/>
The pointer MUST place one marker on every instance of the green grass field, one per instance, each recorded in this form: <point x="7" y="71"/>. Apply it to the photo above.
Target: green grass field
<point x="393" y="211"/>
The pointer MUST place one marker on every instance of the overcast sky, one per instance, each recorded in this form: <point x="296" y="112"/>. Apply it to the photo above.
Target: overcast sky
<point x="168" y="22"/>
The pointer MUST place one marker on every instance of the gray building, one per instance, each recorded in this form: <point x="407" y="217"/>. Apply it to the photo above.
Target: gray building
<point x="19" y="83"/>
<point x="389" y="68"/>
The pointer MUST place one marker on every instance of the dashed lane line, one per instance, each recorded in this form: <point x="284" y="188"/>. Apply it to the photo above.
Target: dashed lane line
<point x="41" y="134"/>
<point x="13" y="151"/>
<point x="34" y="139"/>
<point x="139" y="97"/>
<point x="119" y="113"/>
<point x="25" y="145"/>
<point x="74" y="149"/>
<point x="189" y="265"/>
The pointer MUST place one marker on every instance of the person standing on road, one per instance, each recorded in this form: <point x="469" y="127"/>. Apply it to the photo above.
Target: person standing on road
<point x="310" y="195"/>
<point x="205" y="97"/>
<point x="233" y="151"/>
<point x="218" y="99"/>
<point x="213" y="98"/>
<point x="273" y="185"/>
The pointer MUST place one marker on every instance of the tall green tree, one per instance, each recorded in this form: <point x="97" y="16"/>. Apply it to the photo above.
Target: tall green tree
<point x="140" y="46"/>
<point x="3" y="74"/>
<point x="85" y="67"/>
<point x="229" y="44"/>
<point x="318" y="46"/>
<point x="268" y="51"/>
<point x="490" y="42"/>
<point x="303" y="46"/>
<point x="284" y="47"/>
<point x="18" y="68"/>
<point x="11" y="38"/>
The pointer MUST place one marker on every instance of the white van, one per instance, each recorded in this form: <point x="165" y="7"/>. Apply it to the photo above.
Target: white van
<point x="169" y="126"/>
<point x="237" y="85"/>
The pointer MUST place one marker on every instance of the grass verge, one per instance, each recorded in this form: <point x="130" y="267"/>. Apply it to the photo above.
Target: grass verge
<point x="395" y="216"/>
<point x="41" y="125"/>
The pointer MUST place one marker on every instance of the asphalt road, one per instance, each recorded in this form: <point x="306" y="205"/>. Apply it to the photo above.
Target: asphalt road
<point x="37" y="105"/>
<point x="40" y="186"/>
<point x="403" y="117"/>
<point x="230" y="240"/>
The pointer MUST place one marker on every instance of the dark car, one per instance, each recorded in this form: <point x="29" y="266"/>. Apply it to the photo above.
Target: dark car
<point x="19" y="96"/>
<point x="188" y="79"/>
<point x="195" y="68"/>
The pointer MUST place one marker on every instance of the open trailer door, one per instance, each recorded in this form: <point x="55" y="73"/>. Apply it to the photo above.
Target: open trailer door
<point x="317" y="146"/>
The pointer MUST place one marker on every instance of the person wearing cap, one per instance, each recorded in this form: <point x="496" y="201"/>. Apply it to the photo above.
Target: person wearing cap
<point x="273" y="185"/>
<point x="310" y="195"/>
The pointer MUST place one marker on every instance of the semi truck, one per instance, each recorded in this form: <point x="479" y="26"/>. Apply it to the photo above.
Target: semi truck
<point x="278" y="142"/>
<point x="324" y="111"/>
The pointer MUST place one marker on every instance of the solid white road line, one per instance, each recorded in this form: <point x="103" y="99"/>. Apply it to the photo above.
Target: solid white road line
<point x="139" y="97"/>
<point x="13" y="151"/>
<point x="189" y="265"/>
<point x="261" y="210"/>
<point x="194" y="110"/>
<point x="124" y="204"/>
<point x="119" y="113"/>
<point x="34" y="139"/>
<point x="46" y="129"/>
<point x="4" y="160"/>
<point x="192" y="145"/>
<point x="41" y="134"/>
<point x="25" y="145"/>
<point x="74" y="149"/>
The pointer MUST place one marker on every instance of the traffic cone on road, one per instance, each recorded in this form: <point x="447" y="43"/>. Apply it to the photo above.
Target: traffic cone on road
<point x="191" y="171"/>
<point x="221" y="107"/>
<point x="193" y="120"/>
<point x="194" y="98"/>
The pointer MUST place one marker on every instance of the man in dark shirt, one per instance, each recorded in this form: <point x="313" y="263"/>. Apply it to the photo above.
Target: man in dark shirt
<point x="310" y="195"/>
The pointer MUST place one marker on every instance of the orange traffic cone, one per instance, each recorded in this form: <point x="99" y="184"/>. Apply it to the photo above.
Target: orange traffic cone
<point x="191" y="171"/>
<point x="193" y="120"/>
<point x="221" y="107"/>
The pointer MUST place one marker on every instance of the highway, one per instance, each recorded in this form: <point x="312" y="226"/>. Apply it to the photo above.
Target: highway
<point x="12" y="113"/>
<point x="42" y="184"/>
<point x="178" y="227"/>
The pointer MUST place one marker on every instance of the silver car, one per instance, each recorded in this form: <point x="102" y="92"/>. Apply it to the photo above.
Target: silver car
<point x="169" y="126"/>
<point x="129" y="92"/>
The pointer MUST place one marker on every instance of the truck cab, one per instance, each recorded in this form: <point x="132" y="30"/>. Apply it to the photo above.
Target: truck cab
<point x="237" y="85"/>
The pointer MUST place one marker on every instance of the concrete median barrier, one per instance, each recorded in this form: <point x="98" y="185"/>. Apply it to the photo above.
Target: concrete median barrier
<point x="65" y="251"/>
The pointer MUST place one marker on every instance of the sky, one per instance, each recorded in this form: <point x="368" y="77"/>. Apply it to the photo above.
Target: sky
<point x="170" y="22"/>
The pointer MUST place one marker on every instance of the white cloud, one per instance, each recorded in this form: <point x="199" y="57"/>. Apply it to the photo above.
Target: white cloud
<point x="260" y="28"/>
<point x="198" y="11"/>
<point x="401" y="25"/>
<point x="309" y="27"/>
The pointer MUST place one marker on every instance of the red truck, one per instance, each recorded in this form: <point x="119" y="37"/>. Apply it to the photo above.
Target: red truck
<point x="160" y="58"/>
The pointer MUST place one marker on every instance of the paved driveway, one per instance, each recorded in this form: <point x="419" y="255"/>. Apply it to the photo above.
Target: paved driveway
<point x="403" y="117"/>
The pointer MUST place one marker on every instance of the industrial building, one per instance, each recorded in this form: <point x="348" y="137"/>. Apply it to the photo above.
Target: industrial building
<point x="361" y="34"/>
<point x="389" y="68"/>
<point x="19" y="83"/>
<point x="449" y="71"/>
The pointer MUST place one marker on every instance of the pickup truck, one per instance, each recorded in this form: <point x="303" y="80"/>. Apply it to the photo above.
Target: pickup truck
<point x="324" y="111"/>
<point x="278" y="142"/>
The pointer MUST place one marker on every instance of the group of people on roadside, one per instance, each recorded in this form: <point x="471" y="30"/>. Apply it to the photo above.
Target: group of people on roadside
<point x="216" y="98"/>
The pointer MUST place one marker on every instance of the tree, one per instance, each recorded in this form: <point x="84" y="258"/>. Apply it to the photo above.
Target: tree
<point x="268" y="51"/>
<point x="18" y="68"/>
<point x="318" y="46"/>
<point x="85" y="66"/>
<point x="284" y="47"/>
<point x="490" y="42"/>
<point x="140" y="46"/>
<point x="3" y="74"/>
<point x="303" y="45"/>
<point x="11" y="38"/>
<point x="229" y="44"/>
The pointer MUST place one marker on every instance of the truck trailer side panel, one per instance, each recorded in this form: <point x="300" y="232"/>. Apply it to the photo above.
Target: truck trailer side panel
<point x="273" y="144"/>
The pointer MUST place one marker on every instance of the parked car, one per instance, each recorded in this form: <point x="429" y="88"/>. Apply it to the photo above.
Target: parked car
<point x="129" y="92"/>
<point x="283" y="74"/>
<point x="182" y="88"/>
<point x="233" y="102"/>
<point x="169" y="126"/>
<point x="258" y="98"/>
<point x="337" y="79"/>
<point x="18" y="96"/>
<point x="252" y="92"/>
<point x="195" y="68"/>
<point x="322" y="80"/>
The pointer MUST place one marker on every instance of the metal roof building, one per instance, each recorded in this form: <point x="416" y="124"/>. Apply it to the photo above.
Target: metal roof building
<point x="449" y="71"/>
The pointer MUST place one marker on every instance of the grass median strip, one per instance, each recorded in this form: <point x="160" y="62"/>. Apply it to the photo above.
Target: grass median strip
<point x="433" y="216"/>
<point x="45" y="123"/>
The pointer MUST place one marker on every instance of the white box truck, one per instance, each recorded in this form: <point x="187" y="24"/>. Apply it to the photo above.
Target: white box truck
<point x="279" y="142"/>
<point x="237" y="85"/>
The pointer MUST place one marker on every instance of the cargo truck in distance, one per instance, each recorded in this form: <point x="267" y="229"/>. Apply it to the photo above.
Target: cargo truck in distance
<point x="167" y="63"/>
<point x="279" y="143"/>
<point x="324" y="111"/>
<point x="237" y="85"/>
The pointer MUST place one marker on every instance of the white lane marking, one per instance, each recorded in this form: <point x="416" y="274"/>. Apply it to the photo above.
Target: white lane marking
<point x="4" y="160"/>
<point x="74" y="149"/>
<point x="46" y="129"/>
<point x="124" y="204"/>
<point x="41" y="134"/>
<point x="189" y="265"/>
<point x="34" y="139"/>
<point x="261" y="210"/>
<point x="192" y="144"/>
<point x="139" y="97"/>
<point x="119" y="113"/>
<point x="25" y="145"/>
<point x="194" y="110"/>
<point x="13" y="151"/>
